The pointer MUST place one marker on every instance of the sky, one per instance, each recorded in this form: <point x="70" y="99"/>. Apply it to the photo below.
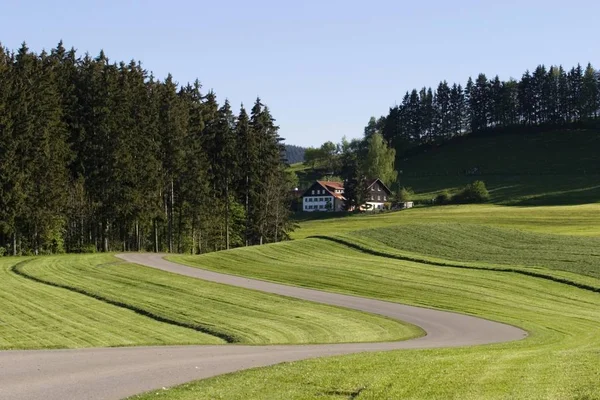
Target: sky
<point x="323" y="67"/>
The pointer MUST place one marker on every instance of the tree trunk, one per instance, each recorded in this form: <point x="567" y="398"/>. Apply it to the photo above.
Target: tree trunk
<point x="105" y="236"/>
<point x="193" y="249"/>
<point x="170" y="217"/>
<point x="15" y="243"/>
<point x="36" y="240"/>
<point x="155" y="235"/>
<point x="199" y="241"/>
<point x="226" y="214"/>
<point x="247" y="234"/>
<point x="137" y="237"/>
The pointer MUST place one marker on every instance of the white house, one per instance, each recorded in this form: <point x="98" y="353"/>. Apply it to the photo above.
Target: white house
<point x="324" y="196"/>
<point x="329" y="196"/>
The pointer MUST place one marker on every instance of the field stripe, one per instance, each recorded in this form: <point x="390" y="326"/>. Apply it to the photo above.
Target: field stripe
<point x="532" y="274"/>
<point x="17" y="269"/>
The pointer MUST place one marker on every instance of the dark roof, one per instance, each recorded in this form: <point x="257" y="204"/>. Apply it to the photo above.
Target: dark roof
<point x="374" y="181"/>
<point x="332" y="186"/>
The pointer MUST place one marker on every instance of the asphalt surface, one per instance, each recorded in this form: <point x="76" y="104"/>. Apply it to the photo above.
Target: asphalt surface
<point x="114" y="373"/>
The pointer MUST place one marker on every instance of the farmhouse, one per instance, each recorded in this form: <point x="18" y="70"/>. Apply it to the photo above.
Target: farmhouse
<point x="329" y="196"/>
<point x="324" y="196"/>
<point x="379" y="194"/>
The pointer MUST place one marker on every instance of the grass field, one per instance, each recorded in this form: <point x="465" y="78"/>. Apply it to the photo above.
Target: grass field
<point x="34" y="315"/>
<point x="103" y="301"/>
<point x="476" y="245"/>
<point x="559" y="360"/>
<point x="580" y="220"/>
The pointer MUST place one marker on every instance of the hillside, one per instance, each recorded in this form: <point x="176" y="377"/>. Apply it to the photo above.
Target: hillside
<point x="550" y="168"/>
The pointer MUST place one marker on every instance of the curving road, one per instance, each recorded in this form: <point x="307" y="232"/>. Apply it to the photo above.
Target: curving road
<point x="114" y="373"/>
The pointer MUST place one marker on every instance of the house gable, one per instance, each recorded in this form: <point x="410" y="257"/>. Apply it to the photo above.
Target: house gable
<point x="378" y="186"/>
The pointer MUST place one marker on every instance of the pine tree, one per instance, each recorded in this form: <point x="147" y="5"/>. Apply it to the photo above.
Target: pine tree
<point x="11" y="194"/>
<point x="247" y="149"/>
<point x="457" y="109"/>
<point x="564" y="96"/>
<point x="526" y="99"/>
<point x="590" y="93"/>
<point x="172" y="120"/>
<point x="575" y="78"/>
<point x="442" y="112"/>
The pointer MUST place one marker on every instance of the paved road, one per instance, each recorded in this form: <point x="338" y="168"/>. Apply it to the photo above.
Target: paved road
<point x="114" y="373"/>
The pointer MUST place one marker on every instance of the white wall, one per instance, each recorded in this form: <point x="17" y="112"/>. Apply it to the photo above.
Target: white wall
<point x="316" y="203"/>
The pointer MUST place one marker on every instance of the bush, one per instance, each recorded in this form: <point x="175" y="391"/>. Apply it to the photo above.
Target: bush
<point x="86" y="248"/>
<point x="475" y="192"/>
<point x="2" y="251"/>
<point x="404" y="194"/>
<point x="443" y="198"/>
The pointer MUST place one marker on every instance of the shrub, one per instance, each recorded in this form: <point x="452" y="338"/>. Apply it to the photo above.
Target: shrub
<point x="86" y="248"/>
<point x="443" y="198"/>
<point x="404" y="194"/>
<point x="2" y="251"/>
<point x="475" y="192"/>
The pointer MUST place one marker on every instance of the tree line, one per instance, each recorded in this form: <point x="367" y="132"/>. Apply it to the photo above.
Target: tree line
<point x="547" y="97"/>
<point x="101" y="155"/>
<point x="294" y="154"/>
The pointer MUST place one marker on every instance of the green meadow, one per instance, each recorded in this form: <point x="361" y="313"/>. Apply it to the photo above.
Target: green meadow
<point x="536" y="268"/>
<point x="97" y="300"/>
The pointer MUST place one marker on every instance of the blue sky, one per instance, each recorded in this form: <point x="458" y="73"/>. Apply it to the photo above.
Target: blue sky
<point x="323" y="67"/>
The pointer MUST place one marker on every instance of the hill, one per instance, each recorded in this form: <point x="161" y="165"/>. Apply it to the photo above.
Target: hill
<point x="561" y="167"/>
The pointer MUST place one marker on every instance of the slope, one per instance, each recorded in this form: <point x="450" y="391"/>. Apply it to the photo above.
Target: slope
<point x="557" y="167"/>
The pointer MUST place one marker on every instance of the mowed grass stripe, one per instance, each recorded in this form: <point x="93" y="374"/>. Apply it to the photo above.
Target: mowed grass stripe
<point x="244" y="315"/>
<point x="559" y="360"/>
<point x="35" y="316"/>
<point x="18" y="269"/>
<point x="477" y="243"/>
<point x="377" y="249"/>
<point x="581" y="220"/>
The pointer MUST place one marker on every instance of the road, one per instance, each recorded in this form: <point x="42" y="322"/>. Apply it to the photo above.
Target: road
<point x="114" y="373"/>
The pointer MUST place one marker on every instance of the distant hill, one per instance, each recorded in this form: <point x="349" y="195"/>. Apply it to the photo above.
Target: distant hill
<point x="294" y="154"/>
<point x="559" y="167"/>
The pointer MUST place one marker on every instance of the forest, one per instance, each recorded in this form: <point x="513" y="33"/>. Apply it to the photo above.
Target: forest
<point x="98" y="155"/>
<point x="294" y="154"/>
<point x="547" y="98"/>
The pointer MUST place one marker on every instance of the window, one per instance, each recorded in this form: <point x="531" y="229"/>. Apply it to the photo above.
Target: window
<point x="384" y="198"/>
<point x="372" y="188"/>
<point x="313" y="192"/>
<point x="379" y="188"/>
<point x="378" y="198"/>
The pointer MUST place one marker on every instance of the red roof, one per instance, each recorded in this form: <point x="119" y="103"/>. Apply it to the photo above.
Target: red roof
<point x="331" y="187"/>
